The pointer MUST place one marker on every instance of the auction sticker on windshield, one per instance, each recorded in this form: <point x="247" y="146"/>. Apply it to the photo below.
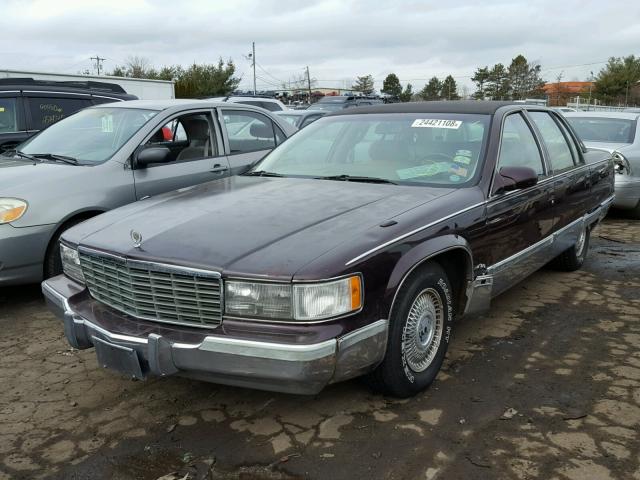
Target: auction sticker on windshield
<point x="436" y="123"/>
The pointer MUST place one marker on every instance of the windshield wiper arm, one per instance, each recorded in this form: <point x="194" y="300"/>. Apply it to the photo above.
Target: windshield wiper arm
<point x="20" y="154"/>
<point x="262" y="173"/>
<point x="356" y="178"/>
<point x="58" y="158"/>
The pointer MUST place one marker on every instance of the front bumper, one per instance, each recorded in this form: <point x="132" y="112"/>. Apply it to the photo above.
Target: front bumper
<point x="282" y="367"/>
<point x="627" y="192"/>
<point x="22" y="252"/>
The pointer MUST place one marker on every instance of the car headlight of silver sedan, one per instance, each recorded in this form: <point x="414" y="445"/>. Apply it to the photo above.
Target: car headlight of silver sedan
<point x="71" y="263"/>
<point x="310" y="301"/>
<point x="11" y="209"/>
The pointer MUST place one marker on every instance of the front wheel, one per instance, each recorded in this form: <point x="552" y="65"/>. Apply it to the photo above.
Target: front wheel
<point x="420" y="328"/>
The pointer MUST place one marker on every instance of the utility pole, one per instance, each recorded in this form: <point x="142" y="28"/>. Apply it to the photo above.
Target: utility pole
<point x="309" y="83"/>
<point x="99" y="61"/>
<point x="590" y="85"/>
<point x="253" y="57"/>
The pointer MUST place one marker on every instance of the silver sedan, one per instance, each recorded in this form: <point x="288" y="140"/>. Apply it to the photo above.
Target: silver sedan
<point x="618" y="133"/>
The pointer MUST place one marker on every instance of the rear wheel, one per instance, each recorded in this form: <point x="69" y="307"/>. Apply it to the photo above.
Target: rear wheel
<point x="572" y="259"/>
<point x="420" y="328"/>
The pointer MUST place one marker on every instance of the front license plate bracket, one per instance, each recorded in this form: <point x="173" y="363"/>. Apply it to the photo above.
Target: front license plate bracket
<point x="116" y="357"/>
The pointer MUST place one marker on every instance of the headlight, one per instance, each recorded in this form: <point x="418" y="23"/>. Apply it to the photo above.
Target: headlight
<point x="263" y="300"/>
<point x="71" y="263"/>
<point x="11" y="209"/>
<point x="302" y="301"/>
<point x="317" y="301"/>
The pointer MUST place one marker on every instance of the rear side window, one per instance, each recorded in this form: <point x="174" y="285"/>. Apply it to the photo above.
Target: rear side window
<point x="248" y="131"/>
<point x="559" y="152"/>
<point x="8" y="115"/>
<point x="47" y="111"/>
<point x="519" y="147"/>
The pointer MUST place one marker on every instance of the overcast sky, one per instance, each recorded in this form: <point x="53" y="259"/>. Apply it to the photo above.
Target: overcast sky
<point x="336" y="39"/>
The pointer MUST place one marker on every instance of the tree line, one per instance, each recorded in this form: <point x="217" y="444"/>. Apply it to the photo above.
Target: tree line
<point x="195" y="81"/>
<point x="618" y="81"/>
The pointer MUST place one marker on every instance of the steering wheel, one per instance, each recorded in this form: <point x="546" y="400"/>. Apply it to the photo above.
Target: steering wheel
<point x="436" y="157"/>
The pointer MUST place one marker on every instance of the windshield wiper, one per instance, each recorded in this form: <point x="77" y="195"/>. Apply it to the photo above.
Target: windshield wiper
<point x="355" y="178"/>
<point x="57" y="158"/>
<point x="18" y="153"/>
<point x="262" y="173"/>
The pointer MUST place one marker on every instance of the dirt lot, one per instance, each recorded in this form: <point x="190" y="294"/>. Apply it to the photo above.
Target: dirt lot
<point x="546" y="386"/>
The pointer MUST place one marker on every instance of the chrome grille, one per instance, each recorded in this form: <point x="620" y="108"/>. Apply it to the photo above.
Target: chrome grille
<point x="161" y="293"/>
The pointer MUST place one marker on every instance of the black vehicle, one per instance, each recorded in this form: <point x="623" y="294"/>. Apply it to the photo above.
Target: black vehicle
<point x="301" y="118"/>
<point x="335" y="103"/>
<point x="28" y="106"/>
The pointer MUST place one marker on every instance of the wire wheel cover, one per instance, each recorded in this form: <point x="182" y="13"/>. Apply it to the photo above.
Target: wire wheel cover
<point x="423" y="330"/>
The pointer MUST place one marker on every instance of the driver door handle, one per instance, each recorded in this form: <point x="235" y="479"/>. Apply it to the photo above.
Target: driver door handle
<point x="217" y="168"/>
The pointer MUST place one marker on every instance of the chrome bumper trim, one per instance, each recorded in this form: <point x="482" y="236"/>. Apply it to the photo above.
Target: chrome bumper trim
<point x="290" y="368"/>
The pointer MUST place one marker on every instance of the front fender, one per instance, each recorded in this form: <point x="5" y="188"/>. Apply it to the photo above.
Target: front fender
<point x="419" y="254"/>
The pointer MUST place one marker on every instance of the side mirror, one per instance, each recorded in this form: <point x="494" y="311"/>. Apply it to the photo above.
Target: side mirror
<point x="515" y="178"/>
<point x="153" y="155"/>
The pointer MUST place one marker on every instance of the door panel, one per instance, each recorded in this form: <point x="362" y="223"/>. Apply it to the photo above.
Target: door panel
<point x="571" y="177"/>
<point x="250" y="136"/>
<point x="519" y="224"/>
<point x="194" y="155"/>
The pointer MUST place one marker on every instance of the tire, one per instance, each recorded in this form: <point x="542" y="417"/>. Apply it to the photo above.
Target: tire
<point x="420" y="328"/>
<point x="572" y="259"/>
<point x="52" y="260"/>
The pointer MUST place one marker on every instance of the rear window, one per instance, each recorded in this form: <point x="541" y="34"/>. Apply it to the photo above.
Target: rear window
<point x="606" y="130"/>
<point x="8" y="117"/>
<point x="47" y="111"/>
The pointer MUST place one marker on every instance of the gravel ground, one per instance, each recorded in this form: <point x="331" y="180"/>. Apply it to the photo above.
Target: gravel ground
<point x="545" y="386"/>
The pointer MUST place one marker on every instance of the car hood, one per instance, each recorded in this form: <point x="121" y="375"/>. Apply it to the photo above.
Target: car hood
<point x="249" y="225"/>
<point x="19" y="176"/>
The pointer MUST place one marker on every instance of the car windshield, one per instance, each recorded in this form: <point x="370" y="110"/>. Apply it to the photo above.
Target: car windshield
<point x="427" y="148"/>
<point x="89" y="136"/>
<point x="608" y="130"/>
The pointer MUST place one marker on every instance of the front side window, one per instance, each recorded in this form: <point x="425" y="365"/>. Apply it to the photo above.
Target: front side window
<point x="604" y="130"/>
<point x="188" y="137"/>
<point x="90" y="136"/>
<point x="518" y="147"/>
<point x="419" y="149"/>
<point x="47" y="111"/>
<point x="248" y="131"/>
<point x="8" y="115"/>
<point x="556" y="143"/>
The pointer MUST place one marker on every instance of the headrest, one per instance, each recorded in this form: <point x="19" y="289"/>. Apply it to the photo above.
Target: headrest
<point x="196" y="128"/>
<point x="261" y="130"/>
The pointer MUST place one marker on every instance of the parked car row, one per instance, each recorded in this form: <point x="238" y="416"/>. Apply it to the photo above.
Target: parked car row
<point x="348" y="250"/>
<point x="28" y="106"/>
<point x="113" y="154"/>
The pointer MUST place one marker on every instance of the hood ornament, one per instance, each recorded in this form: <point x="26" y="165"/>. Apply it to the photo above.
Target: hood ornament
<point x="136" y="237"/>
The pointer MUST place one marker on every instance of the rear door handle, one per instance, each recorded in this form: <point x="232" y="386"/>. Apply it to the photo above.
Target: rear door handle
<point x="217" y="168"/>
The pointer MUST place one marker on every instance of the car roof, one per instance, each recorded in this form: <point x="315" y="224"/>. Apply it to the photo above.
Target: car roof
<point x="163" y="104"/>
<point x="621" y="115"/>
<point x="454" y="106"/>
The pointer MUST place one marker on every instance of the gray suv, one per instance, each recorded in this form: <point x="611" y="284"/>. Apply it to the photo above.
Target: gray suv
<point x="107" y="156"/>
